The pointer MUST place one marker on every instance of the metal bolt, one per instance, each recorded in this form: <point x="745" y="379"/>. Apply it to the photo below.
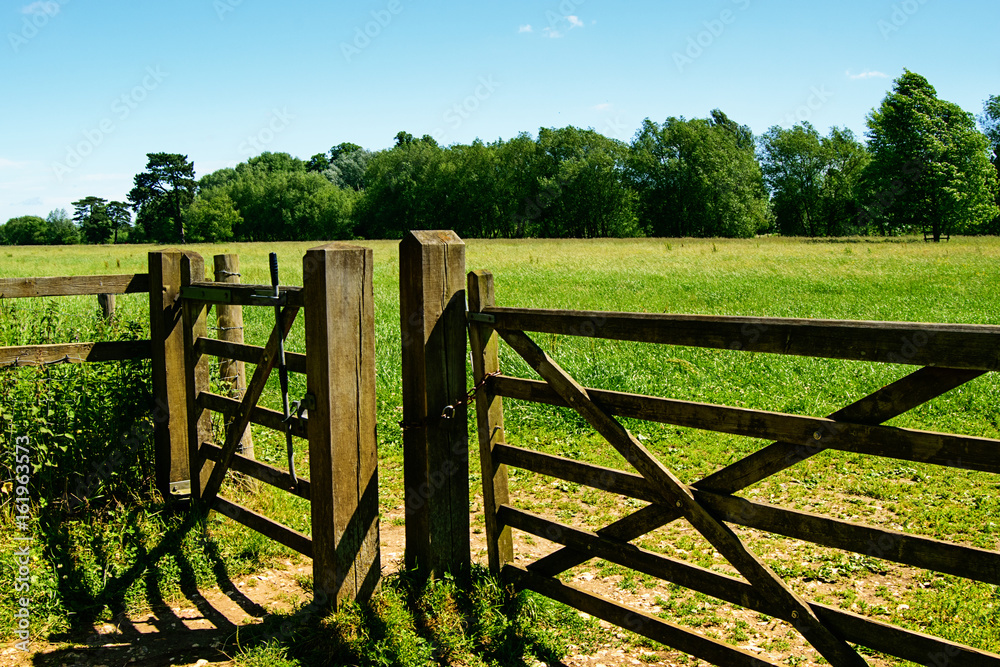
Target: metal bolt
<point x="679" y="504"/>
<point x="817" y="435"/>
<point x="795" y="614"/>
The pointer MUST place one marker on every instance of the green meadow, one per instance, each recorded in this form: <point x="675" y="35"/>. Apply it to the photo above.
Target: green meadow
<point x="896" y="279"/>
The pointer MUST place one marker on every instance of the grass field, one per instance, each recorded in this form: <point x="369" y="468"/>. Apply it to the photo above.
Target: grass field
<point x="896" y="279"/>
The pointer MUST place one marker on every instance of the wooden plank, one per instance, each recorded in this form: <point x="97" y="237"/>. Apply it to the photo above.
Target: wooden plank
<point x="106" y="302"/>
<point x="74" y="353"/>
<point x="194" y="322"/>
<point x="173" y="468"/>
<point x="857" y="629"/>
<point x="229" y="322"/>
<point x="928" y="553"/>
<point x="14" y="288"/>
<point x="271" y="419"/>
<point x="292" y="539"/>
<point x="489" y="422"/>
<point x="265" y="473"/>
<point x="246" y="295"/>
<point x="890" y="401"/>
<point x="925" y="552"/>
<point x="638" y="622"/>
<point x="808" y="434"/>
<point x="794" y="608"/>
<point x="251" y="354"/>
<point x="343" y="458"/>
<point x="436" y="450"/>
<point x="970" y="346"/>
<point x="254" y="390"/>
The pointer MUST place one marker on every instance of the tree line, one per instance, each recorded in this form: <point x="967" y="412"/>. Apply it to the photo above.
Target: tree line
<point x="926" y="166"/>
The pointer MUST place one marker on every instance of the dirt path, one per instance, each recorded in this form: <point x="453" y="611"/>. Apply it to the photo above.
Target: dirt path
<point x="193" y="633"/>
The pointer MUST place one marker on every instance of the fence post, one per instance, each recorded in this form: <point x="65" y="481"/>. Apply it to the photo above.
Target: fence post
<point x="194" y="316"/>
<point x="169" y="388"/>
<point x="489" y="417"/>
<point x="107" y="304"/>
<point x="343" y="459"/>
<point x="435" y="449"/>
<point x="232" y="373"/>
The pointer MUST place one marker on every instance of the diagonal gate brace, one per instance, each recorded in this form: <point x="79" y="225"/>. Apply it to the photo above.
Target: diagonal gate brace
<point x="255" y="388"/>
<point x="676" y="493"/>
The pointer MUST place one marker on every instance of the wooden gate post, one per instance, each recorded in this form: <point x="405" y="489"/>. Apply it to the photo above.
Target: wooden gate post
<point x="194" y="316"/>
<point x="232" y="373"/>
<point x="435" y="444"/>
<point x="169" y="388"/>
<point x="343" y="459"/>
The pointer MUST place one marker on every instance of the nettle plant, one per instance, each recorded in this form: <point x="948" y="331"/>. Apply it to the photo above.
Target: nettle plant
<point x="88" y="425"/>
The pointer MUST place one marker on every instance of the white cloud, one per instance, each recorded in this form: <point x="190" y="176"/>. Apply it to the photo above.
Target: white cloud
<point x="574" y="21"/>
<point x="603" y="106"/>
<point x="49" y="7"/>
<point x="525" y="28"/>
<point x="871" y="74"/>
<point x="10" y="164"/>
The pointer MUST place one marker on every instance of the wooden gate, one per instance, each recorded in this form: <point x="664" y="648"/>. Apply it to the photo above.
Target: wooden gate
<point x="340" y="424"/>
<point x="949" y="356"/>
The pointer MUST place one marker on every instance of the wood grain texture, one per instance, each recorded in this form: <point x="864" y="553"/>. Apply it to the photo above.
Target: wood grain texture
<point x="251" y="354"/>
<point x="968" y="346"/>
<point x="262" y="416"/>
<point x="343" y="458"/>
<point x="167" y="353"/>
<point x="262" y="471"/>
<point x="194" y="322"/>
<point x="246" y="295"/>
<point x="489" y="422"/>
<point x="229" y="320"/>
<point x="436" y="450"/>
<point x="260" y="523"/>
<point x="74" y="353"/>
<point x="14" y="288"/>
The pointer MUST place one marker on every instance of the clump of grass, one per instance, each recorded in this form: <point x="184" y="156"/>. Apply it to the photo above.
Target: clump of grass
<point x="472" y="621"/>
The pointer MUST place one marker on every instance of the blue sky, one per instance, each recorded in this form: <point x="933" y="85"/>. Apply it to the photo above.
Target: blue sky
<point x="91" y="87"/>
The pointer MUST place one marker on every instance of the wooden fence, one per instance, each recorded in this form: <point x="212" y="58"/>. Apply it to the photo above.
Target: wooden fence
<point x="339" y="364"/>
<point x="948" y="355"/>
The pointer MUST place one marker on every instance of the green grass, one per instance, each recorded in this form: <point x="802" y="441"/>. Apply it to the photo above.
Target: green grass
<point x="897" y="279"/>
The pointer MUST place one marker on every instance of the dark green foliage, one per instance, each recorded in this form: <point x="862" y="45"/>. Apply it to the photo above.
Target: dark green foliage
<point x="25" y="230"/>
<point x="814" y="180"/>
<point x="697" y="177"/>
<point x="92" y="217"/>
<point x="929" y="168"/>
<point x="990" y="121"/>
<point x="88" y="424"/>
<point x="161" y="195"/>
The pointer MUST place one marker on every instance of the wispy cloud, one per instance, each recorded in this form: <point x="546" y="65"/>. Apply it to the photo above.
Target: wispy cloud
<point x="49" y="7"/>
<point x="604" y="106"/>
<point x="558" y="25"/>
<point x="574" y="22"/>
<point x="525" y="28"/>
<point x="871" y="74"/>
<point x="10" y="164"/>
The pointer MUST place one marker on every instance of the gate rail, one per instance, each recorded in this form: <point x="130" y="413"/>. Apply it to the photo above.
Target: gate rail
<point x="949" y="356"/>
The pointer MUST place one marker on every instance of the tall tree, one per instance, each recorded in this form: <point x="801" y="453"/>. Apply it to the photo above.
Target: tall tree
<point x="990" y="121"/>
<point x="91" y="214"/>
<point x="814" y="180"/>
<point x="61" y="230"/>
<point x="120" y="217"/>
<point x="697" y="177"/>
<point x="929" y="168"/>
<point x="161" y="194"/>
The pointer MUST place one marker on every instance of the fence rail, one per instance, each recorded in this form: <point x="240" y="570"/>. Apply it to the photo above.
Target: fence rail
<point x="16" y="288"/>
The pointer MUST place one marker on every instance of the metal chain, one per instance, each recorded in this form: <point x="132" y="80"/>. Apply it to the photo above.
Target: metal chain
<point x="449" y="410"/>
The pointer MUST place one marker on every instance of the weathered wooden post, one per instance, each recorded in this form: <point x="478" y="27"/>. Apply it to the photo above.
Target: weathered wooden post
<point x="169" y="386"/>
<point x="232" y="373"/>
<point x="343" y="459"/>
<point x="107" y="304"/>
<point x="194" y="315"/>
<point x="435" y="434"/>
<point x="489" y="418"/>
